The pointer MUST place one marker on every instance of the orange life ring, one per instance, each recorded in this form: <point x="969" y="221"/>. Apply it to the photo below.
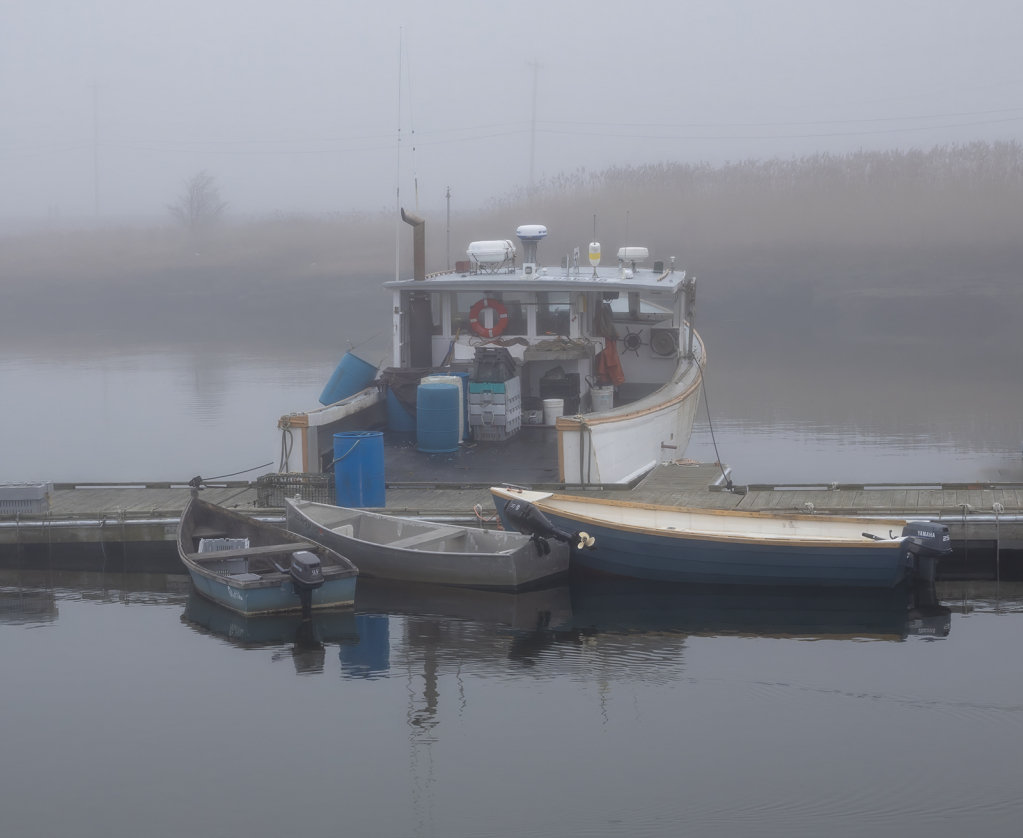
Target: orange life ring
<point x="499" y="310"/>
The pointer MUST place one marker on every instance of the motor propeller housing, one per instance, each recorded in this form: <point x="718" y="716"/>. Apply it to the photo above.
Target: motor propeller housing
<point x="529" y="520"/>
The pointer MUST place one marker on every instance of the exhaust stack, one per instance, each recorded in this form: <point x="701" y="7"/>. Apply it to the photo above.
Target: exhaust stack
<point x="420" y="316"/>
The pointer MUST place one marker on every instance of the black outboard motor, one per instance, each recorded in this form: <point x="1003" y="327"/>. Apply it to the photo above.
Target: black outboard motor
<point x="926" y="542"/>
<point x="529" y="520"/>
<point x="306" y="575"/>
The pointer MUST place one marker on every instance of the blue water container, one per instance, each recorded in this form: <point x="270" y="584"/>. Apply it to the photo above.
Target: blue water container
<point x="398" y="418"/>
<point x="351" y="376"/>
<point x="465" y="402"/>
<point x="437" y="418"/>
<point x="359" y="469"/>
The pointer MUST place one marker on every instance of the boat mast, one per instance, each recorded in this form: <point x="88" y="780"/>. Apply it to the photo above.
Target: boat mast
<point x="397" y="176"/>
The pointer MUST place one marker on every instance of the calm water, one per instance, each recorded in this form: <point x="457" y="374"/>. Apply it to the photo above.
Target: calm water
<point x="131" y="707"/>
<point x="169" y="413"/>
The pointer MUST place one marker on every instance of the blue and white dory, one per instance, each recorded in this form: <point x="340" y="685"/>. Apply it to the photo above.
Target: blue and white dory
<point x="644" y="541"/>
<point x="255" y="568"/>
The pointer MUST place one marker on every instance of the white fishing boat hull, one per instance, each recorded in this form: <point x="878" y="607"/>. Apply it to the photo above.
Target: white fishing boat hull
<point x="623" y="444"/>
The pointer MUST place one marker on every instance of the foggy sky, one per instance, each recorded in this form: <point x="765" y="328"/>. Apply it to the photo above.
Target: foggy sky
<point x="293" y="106"/>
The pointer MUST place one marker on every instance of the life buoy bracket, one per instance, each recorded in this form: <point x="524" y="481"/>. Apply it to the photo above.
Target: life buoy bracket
<point x="499" y="310"/>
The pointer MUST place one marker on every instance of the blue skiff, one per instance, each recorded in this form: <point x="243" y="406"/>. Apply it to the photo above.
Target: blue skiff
<point x="255" y="568"/>
<point x="644" y="541"/>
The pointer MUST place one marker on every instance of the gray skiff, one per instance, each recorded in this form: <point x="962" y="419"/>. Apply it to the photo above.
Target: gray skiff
<point x="389" y="547"/>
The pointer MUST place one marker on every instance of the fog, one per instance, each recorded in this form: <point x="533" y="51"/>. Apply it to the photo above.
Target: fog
<point x="108" y="106"/>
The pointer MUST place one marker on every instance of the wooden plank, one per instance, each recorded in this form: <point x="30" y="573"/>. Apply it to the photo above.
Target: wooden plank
<point x="247" y="552"/>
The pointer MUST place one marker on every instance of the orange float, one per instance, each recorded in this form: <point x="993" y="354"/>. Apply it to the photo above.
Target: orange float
<point x="477" y="310"/>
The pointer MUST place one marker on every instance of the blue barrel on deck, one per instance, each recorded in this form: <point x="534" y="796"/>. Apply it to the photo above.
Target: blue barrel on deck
<point x="359" y="469"/>
<point x="465" y="402"/>
<point x="437" y="418"/>
<point x="398" y="418"/>
<point x="351" y="376"/>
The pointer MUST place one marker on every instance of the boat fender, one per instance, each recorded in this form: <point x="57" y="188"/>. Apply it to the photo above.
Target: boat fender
<point x="499" y="310"/>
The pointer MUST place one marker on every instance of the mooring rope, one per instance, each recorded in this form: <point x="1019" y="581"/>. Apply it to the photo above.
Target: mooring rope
<point x="706" y="404"/>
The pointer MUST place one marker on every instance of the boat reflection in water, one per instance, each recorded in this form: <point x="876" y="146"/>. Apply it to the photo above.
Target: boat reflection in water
<point x="627" y="605"/>
<point x="307" y="638"/>
<point x="27" y="606"/>
<point x="596" y="627"/>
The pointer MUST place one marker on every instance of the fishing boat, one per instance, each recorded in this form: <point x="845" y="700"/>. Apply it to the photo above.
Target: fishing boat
<point x="646" y="541"/>
<point x="255" y="568"/>
<point x="576" y="374"/>
<point x="389" y="547"/>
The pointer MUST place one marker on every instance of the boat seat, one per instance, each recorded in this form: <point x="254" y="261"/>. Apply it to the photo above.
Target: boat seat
<point x="248" y="552"/>
<point x="209" y="532"/>
<point x="422" y="538"/>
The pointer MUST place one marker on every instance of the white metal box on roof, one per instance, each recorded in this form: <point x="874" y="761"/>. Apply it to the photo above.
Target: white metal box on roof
<point x="491" y="252"/>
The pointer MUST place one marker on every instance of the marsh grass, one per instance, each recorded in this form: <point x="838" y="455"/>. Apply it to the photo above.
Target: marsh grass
<point x="830" y="239"/>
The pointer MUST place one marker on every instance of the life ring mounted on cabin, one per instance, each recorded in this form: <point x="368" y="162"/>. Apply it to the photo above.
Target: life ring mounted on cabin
<point x="500" y="323"/>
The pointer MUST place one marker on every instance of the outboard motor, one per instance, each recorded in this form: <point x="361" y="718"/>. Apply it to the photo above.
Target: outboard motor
<point x="529" y="520"/>
<point x="926" y="542"/>
<point x="306" y="575"/>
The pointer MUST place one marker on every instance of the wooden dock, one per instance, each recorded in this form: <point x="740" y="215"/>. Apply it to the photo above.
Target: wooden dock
<point x="110" y="516"/>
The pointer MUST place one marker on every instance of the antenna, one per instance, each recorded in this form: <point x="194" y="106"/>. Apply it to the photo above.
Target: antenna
<point x="448" y="196"/>
<point x="411" y="122"/>
<point x="95" y="147"/>
<point x="397" y="177"/>
<point x="532" y="130"/>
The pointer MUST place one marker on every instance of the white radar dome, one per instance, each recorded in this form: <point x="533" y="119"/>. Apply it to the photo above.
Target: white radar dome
<point x="531" y="232"/>
<point x="594" y="253"/>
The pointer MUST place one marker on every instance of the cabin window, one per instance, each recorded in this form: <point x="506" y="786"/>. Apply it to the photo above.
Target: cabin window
<point x="643" y="307"/>
<point x="436" y="314"/>
<point x="514" y="301"/>
<point x="553" y="313"/>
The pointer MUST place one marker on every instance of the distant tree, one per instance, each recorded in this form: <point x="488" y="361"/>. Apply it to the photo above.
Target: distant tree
<point x="199" y="205"/>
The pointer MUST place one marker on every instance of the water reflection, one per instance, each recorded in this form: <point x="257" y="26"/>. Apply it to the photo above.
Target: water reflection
<point x="594" y="629"/>
<point x="27" y="606"/>
<point x="304" y="640"/>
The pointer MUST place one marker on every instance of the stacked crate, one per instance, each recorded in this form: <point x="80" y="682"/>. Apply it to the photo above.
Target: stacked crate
<point x="495" y="396"/>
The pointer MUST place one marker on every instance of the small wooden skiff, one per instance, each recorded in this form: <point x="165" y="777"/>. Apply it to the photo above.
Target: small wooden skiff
<point x="388" y="547"/>
<point x="645" y="541"/>
<point x="255" y="568"/>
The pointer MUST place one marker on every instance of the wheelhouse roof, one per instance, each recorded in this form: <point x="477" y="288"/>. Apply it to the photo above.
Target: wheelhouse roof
<point x="607" y="279"/>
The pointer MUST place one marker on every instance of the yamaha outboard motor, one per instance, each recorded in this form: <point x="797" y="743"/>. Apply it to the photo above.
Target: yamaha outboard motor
<point x="926" y="542"/>
<point x="529" y="520"/>
<point x="306" y="575"/>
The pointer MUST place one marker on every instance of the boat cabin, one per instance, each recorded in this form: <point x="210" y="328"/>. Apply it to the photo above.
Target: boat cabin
<point x="554" y="320"/>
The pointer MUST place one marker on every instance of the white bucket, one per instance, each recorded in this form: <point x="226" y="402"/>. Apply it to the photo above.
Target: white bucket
<point x="552" y="409"/>
<point x="602" y="398"/>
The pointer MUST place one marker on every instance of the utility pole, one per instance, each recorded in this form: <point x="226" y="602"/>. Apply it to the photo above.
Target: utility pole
<point x="532" y="131"/>
<point x="449" y="228"/>
<point x="95" y="148"/>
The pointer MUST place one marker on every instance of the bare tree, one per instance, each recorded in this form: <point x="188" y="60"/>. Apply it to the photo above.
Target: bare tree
<point x="199" y="205"/>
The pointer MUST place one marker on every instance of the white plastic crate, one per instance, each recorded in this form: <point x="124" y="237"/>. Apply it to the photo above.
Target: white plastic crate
<point x="497" y="433"/>
<point x="25" y="498"/>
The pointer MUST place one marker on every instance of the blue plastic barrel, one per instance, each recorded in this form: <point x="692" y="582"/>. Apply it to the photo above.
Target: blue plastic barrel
<point x="398" y="418"/>
<point x="465" y="402"/>
<point x="437" y="418"/>
<point x="359" y="469"/>
<point x="351" y="376"/>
